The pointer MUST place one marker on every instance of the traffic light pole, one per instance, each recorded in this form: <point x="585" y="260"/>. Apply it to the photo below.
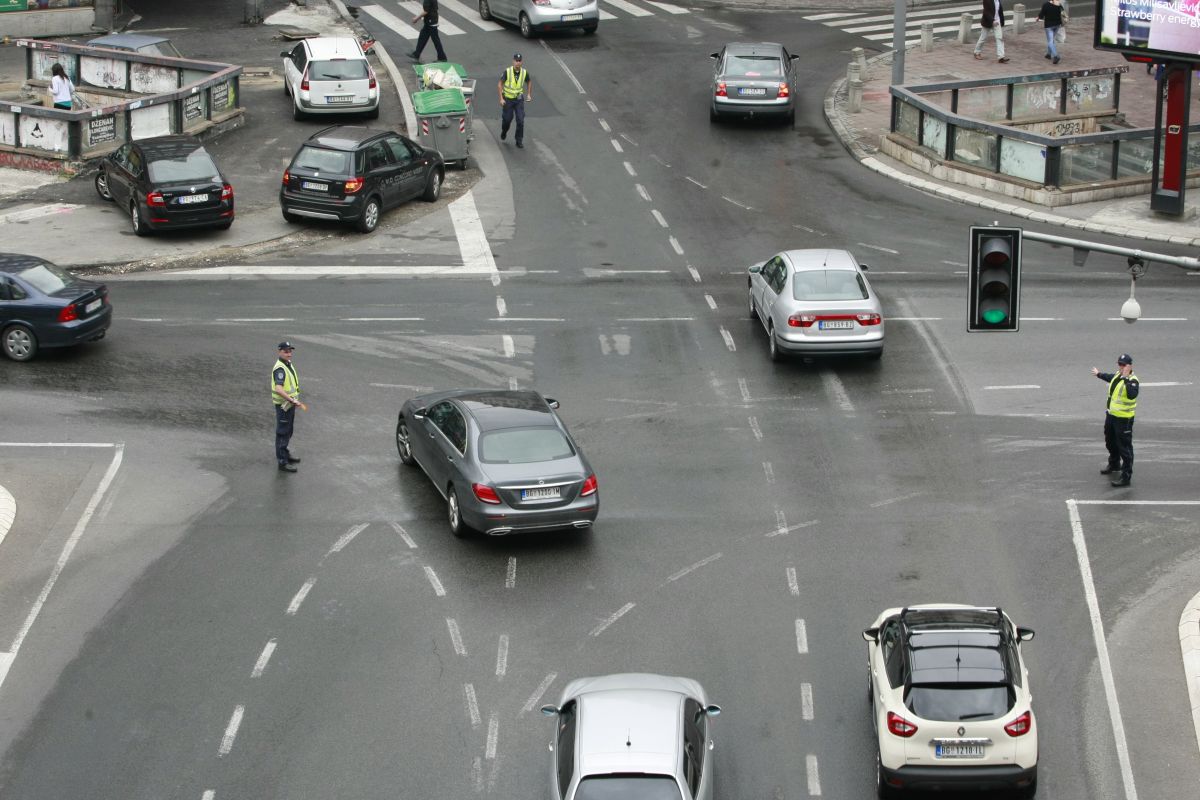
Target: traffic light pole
<point x="1082" y="248"/>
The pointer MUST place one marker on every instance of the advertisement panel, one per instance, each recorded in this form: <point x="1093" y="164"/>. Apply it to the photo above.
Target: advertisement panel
<point x="1164" y="30"/>
<point x="13" y="5"/>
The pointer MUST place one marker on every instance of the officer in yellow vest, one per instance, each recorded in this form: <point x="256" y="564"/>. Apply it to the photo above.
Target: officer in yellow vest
<point x="516" y="89"/>
<point x="285" y="394"/>
<point x="1118" y="422"/>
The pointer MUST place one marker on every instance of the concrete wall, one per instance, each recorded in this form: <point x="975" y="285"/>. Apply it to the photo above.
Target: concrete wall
<point x="51" y="22"/>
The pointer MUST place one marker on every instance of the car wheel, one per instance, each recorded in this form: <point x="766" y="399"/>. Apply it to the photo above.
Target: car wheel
<point x="287" y="89"/>
<point x="224" y="226"/>
<point x="102" y="186"/>
<point x="590" y="29"/>
<point x="1028" y="792"/>
<point x="485" y="11"/>
<point x="290" y="217"/>
<point x="296" y="112"/>
<point x="433" y="186"/>
<point x="404" y="443"/>
<point x="753" y="313"/>
<point x="773" y="346"/>
<point x="135" y="220"/>
<point x="526" y="27"/>
<point x="373" y="113"/>
<point x="369" y="220"/>
<point x="882" y="790"/>
<point x="878" y="354"/>
<point x="20" y="343"/>
<point x="713" y="115"/>
<point x="454" y="515"/>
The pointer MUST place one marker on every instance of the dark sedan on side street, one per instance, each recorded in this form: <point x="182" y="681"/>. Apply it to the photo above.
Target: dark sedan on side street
<point x="503" y="460"/>
<point x="43" y="305"/>
<point x="166" y="183"/>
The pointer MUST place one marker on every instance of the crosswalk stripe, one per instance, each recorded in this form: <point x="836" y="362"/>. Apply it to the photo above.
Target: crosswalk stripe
<point x="667" y="7"/>
<point x="834" y="15"/>
<point x="605" y="15"/>
<point x="38" y="211"/>
<point x="402" y="28"/>
<point x="471" y="15"/>
<point x="448" y="28"/>
<point x="881" y="36"/>
<point x="629" y="8"/>
<point x="911" y="27"/>
<point x="936" y="12"/>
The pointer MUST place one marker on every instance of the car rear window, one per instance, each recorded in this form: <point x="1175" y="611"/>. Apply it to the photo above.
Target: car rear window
<point x="829" y="284"/>
<point x="194" y="166"/>
<point x="48" y="278"/>
<point x="524" y="446"/>
<point x="339" y="70"/>
<point x="754" y="67"/>
<point x="958" y="702"/>
<point x="624" y="787"/>
<point x="335" y="162"/>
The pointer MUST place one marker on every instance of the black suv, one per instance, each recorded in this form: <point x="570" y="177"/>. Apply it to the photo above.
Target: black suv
<point x="352" y="174"/>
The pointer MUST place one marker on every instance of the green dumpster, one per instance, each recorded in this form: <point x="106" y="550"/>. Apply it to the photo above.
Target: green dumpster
<point x="420" y="69"/>
<point x="442" y="124"/>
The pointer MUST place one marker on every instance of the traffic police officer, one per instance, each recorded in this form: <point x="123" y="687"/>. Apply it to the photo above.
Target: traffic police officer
<point x="285" y="394"/>
<point x="515" y="88"/>
<point x="1118" y="422"/>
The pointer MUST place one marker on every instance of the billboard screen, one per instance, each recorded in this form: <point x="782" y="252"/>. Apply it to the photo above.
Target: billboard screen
<point x="1166" y="30"/>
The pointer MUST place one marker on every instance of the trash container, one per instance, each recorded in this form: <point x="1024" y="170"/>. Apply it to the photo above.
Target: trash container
<point x="420" y="69"/>
<point x="442" y="124"/>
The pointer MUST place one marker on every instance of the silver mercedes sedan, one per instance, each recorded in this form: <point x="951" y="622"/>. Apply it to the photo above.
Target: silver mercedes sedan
<point x="816" y="302"/>
<point x="632" y="735"/>
<point x="753" y="80"/>
<point x="503" y="460"/>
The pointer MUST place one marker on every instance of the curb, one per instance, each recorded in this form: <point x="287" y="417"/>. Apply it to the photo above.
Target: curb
<point x="837" y="120"/>
<point x="1189" y="644"/>
<point x="8" y="512"/>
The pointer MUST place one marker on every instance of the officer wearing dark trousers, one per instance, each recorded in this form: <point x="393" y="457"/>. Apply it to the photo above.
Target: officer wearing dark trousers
<point x="285" y="394"/>
<point x="429" y="30"/>
<point x="516" y="89"/>
<point x="1118" y="422"/>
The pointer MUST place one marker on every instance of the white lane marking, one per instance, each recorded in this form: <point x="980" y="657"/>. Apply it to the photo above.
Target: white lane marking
<point x="502" y="656"/>
<point x="62" y="444"/>
<point x="938" y="358"/>
<point x="231" y="731"/>
<point x="625" y="136"/>
<point x="814" y="780"/>
<point x="658" y="217"/>
<point x="456" y="636"/>
<point x="382" y="319"/>
<point x="907" y="391"/>
<point x="728" y="337"/>
<point x="444" y="25"/>
<point x="537" y="693"/>
<point x="660" y="161"/>
<point x="254" y="319"/>
<point x="676" y="246"/>
<point x="471" y="15"/>
<point x="563" y="65"/>
<point x="1110" y="688"/>
<point x="263" y="658"/>
<point x="807" y="229"/>
<point x="641" y="190"/>
<point x="1136" y="502"/>
<point x="1042" y="319"/>
<point x="493" y="735"/>
<point x="527" y="319"/>
<point x="1154" y="319"/>
<point x="743" y="387"/>
<point x="838" y="389"/>
<point x="694" y="567"/>
<point x="599" y="629"/>
<point x="694" y="272"/>
<point x="1014" y="386"/>
<point x="294" y="606"/>
<point x="769" y="471"/>
<point x="656" y="319"/>
<point x="390" y="20"/>
<point x="801" y="637"/>
<point x="736" y="203"/>
<point x="7" y="659"/>
<point x="472" y="705"/>
<point x="914" y="319"/>
<point x="629" y="169"/>
<point x="708" y="298"/>
<point x="604" y="125"/>
<point x="780" y="522"/>
<point x="1165" y="383"/>
<point x="806" y="701"/>
<point x="209" y="794"/>
<point x="472" y="241"/>
<point x="698" y="183"/>
<point x="793" y="583"/>
<point x="790" y="528"/>
<point x="670" y="9"/>
<point x="438" y="589"/>
<point x="512" y="384"/>
<point x="38" y="211"/>
<point x="145" y="319"/>
<point x="477" y="774"/>
<point x="510" y="579"/>
<point x="937" y="12"/>
<point x="892" y="500"/>
<point x="629" y="8"/>
<point x="616" y="146"/>
<point x="954" y="263"/>
<point x="347" y="537"/>
<point x="323" y="271"/>
<point x="501" y="307"/>
<point x="834" y="15"/>
<point x="510" y="349"/>
<point x="404" y="535"/>
<point x="595" y="109"/>
<point x="758" y="434"/>
<point x="881" y="249"/>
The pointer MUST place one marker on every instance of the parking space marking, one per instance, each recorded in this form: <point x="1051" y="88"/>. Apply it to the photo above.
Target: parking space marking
<point x="492" y="737"/>
<point x="456" y="636"/>
<point x="263" y="659"/>
<point x="603" y="626"/>
<point x="769" y="471"/>
<point x="472" y="705"/>
<point x="438" y="589"/>
<point x="694" y="567"/>
<point x="502" y="656"/>
<point x="231" y="730"/>
<point x="404" y="535"/>
<point x="537" y="693"/>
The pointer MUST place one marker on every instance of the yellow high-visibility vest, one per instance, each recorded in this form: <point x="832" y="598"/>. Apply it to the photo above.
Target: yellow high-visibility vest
<point x="1119" y="403"/>
<point x="291" y="383"/>
<point x="514" y="83"/>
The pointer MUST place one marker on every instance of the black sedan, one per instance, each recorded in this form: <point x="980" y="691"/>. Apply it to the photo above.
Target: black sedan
<point x="166" y="183"/>
<point x="43" y="305"/>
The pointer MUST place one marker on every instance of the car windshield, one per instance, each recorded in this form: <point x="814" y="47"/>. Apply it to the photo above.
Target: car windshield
<point x="340" y="70"/>
<point x="958" y="702"/>
<point x="162" y="49"/>
<point x="336" y="162"/>
<point x="48" y="278"/>
<point x="753" y="67"/>
<point x="196" y="165"/>
<point x="524" y="446"/>
<point x="624" y="787"/>
<point x="829" y="284"/>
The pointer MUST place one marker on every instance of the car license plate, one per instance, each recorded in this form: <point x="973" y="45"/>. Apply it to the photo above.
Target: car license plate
<point x="188" y="199"/>
<point x="339" y="98"/>
<point x="959" y="751"/>
<point x="835" y="324"/>
<point x="92" y="306"/>
<point x="546" y="493"/>
<point x="572" y="17"/>
<point x="314" y="187"/>
<point x="752" y="91"/>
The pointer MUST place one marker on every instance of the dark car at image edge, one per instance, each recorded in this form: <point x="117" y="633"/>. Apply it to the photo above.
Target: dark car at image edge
<point x="44" y="306"/>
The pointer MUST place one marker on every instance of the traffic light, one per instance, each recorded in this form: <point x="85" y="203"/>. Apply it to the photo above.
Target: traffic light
<point x="995" y="279"/>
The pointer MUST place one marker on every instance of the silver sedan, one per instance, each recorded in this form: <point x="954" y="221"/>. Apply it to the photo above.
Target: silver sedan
<point x="753" y="80"/>
<point x="816" y="302"/>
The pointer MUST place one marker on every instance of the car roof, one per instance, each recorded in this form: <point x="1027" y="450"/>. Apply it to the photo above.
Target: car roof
<point x="498" y="409"/>
<point x="629" y="730"/>
<point x="131" y="41"/>
<point x="19" y="262"/>
<point x="820" y="259"/>
<point x="753" y="49"/>
<point x="169" y="146"/>
<point x="345" y="137"/>
<point x="327" y="47"/>
<point x="956" y="644"/>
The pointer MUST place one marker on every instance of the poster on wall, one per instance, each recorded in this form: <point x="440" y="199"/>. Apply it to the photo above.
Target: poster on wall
<point x="152" y="79"/>
<point x="43" y="133"/>
<point x="1167" y="30"/>
<point x="193" y="108"/>
<point x="101" y="130"/>
<point x="8" y="129"/>
<point x="13" y="5"/>
<point x="44" y="60"/>
<point x="106" y="72"/>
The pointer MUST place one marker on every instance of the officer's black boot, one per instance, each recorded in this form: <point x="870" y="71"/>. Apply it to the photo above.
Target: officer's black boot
<point x="1123" y="480"/>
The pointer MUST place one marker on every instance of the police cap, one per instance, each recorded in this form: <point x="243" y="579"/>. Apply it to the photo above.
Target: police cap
<point x="286" y="345"/>
<point x="1125" y="358"/>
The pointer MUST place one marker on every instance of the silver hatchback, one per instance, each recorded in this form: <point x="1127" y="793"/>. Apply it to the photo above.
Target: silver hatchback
<point x="632" y="735"/>
<point x="816" y="302"/>
<point x="753" y="80"/>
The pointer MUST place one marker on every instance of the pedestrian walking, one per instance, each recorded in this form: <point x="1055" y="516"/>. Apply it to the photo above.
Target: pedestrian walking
<point x="285" y="394"/>
<point x="1118" y="421"/>
<point x="516" y="89"/>
<point x="993" y="21"/>
<point x="61" y="88"/>
<point x="429" y="30"/>
<point x="1051" y="16"/>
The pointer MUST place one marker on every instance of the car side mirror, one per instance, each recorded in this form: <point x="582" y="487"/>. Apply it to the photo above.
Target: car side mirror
<point x="418" y="413"/>
<point x="713" y="711"/>
<point x="871" y="635"/>
<point x="550" y="401"/>
<point x="794" y="58"/>
<point x="550" y="711"/>
<point x="714" y="56"/>
<point x="755" y="269"/>
<point x="864" y="267"/>
<point x="1025" y="634"/>
<point x="285" y="54"/>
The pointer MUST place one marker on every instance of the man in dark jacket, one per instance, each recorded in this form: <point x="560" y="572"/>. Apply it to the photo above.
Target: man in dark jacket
<point x="1052" y="16"/>
<point x="993" y="20"/>
<point x="429" y="30"/>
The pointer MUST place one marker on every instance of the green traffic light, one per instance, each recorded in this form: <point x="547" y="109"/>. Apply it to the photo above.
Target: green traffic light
<point x="995" y="316"/>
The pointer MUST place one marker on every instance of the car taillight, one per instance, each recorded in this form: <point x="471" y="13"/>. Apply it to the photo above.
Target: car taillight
<point x="372" y="84"/>
<point x="287" y="177"/>
<point x="900" y="726"/>
<point x="69" y="313"/>
<point x="1020" y="726"/>
<point x="304" y="81"/>
<point x="721" y="89"/>
<point x="227" y="192"/>
<point x="589" y="486"/>
<point x="353" y="185"/>
<point x="801" y="320"/>
<point x="783" y="90"/>
<point x="155" y="199"/>
<point x="868" y="319"/>
<point x="486" y="494"/>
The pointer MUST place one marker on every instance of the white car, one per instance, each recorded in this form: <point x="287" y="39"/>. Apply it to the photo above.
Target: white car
<point x="330" y="75"/>
<point x="950" y="700"/>
<point x="632" y="735"/>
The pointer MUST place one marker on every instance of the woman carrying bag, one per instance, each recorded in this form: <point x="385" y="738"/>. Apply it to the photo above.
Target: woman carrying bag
<point x="61" y="88"/>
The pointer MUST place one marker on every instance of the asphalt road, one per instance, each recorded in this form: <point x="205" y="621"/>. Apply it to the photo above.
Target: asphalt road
<point x="223" y="628"/>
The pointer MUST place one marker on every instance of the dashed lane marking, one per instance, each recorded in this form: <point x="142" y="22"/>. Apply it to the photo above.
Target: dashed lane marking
<point x="1014" y="386"/>
<point x="347" y="537"/>
<point x="263" y="658"/>
<point x="690" y="569"/>
<point x="728" y="337"/>
<point x="658" y="217"/>
<point x="438" y="589"/>
<point x="793" y="583"/>
<point x="758" y="434"/>
<point x="231" y="730"/>
<point x="814" y="780"/>
<point x="456" y="636"/>
<point x="294" y="606"/>
<point x="712" y="303"/>
<point x="510" y="577"/>
<point x="472" y="705"/>
<point x="791" y="528"/>
<point x="801" y="637"/>
<point x="404" y="535"/>
<point x="492" y="737"/>
<point x="806" y="701"/>
<point x="536" y="697"/>
<point x="603" y="626"/>
<point x="502" y="656"/>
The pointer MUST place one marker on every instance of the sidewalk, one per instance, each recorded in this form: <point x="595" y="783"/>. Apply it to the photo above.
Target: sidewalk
<point x="948" y="60"/>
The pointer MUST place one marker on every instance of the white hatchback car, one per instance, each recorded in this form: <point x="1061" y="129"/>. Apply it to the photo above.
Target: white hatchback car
<point x="632" y="735"/>
<point x="330" y="75"/>
<point x="950" y="700"/>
